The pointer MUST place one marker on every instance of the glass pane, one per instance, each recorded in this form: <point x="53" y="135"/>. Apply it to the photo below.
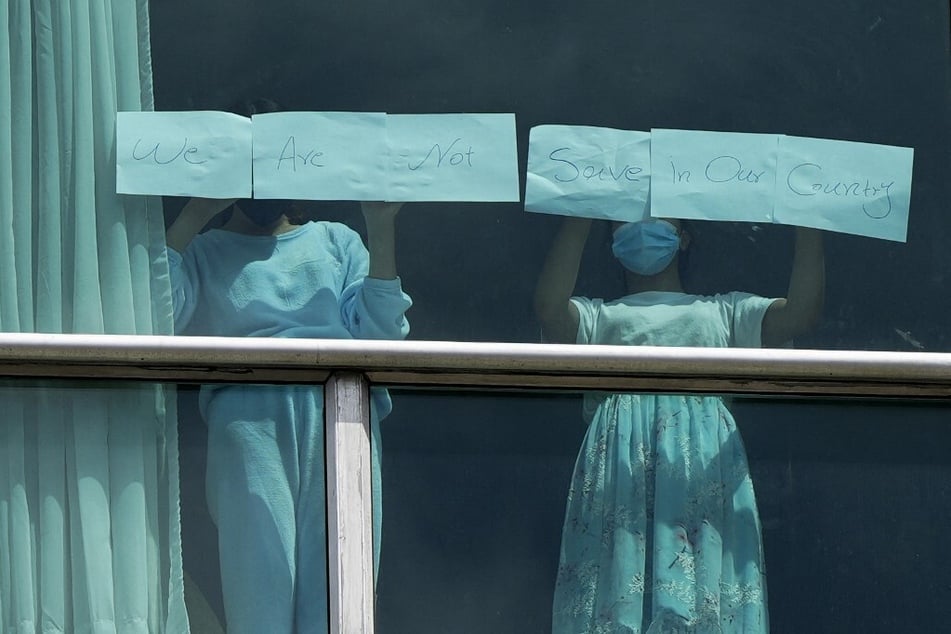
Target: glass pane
<point x="868" y="72"/>
<point x="95" y="477"/>
<point x="254" y="506"/>
<point x="490" y="526"/>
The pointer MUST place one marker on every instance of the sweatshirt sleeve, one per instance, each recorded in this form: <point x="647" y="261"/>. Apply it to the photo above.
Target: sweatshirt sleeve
<point x="184" y="288"/>
<point x="376" y="309"/>
<point x="371" y="308"/>
<point x="588" y="311"/>
<point x="747" y="319"/>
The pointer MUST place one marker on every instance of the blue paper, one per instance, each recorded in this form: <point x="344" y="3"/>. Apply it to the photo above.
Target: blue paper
<point x="452" y="157"/>
<point x="588" y="171"/>
<point x="320" y="155"/>
<point x="858" y="188"/>
<point x="713" y="175"/>
<point x="205" y="154"/>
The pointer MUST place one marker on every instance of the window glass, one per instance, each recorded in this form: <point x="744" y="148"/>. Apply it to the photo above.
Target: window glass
<point x="492" y="520"/>
<point x="867" y="72"/>
<point x="253" y="507"/>
<point x="107" y="473"/>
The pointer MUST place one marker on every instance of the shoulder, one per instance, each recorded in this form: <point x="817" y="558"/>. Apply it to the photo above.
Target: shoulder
<point x="330" y="228"/>
<point x="589" y="309"/>
<point x="203" y="242"/>
<point x="736" y="298"/>
<point x="335" y="233"/>
<point x="587" y="304"/>
<point x="336" y="239"/>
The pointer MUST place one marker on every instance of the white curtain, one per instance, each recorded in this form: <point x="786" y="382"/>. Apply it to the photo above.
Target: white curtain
<point x="89" y="513"/>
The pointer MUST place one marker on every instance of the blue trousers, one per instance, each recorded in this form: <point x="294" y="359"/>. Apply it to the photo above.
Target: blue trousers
<point x="266" y="493"/>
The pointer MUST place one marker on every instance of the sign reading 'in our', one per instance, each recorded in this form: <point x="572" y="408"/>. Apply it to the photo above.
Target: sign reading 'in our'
<point x="858" y="188"/>
<point x="713" y="175"/>
<point x="588" y="171"/>
<point x="183" y="154"/>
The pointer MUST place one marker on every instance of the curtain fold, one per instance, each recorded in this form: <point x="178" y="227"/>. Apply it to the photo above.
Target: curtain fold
<point x="89" y="512"/>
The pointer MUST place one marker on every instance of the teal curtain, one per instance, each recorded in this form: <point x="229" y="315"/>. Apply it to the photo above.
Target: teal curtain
<point x="89" y="513"/>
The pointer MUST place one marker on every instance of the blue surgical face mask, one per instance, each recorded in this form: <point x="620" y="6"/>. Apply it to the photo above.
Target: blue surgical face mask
<point x="646" y="247"/>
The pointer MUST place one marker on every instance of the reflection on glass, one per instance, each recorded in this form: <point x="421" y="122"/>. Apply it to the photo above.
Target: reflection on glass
<point x="476" y="537"/>
<point x="88" y="507"/>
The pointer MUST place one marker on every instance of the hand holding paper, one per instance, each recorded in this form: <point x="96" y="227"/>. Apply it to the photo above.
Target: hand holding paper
<point x="196" y="213"/>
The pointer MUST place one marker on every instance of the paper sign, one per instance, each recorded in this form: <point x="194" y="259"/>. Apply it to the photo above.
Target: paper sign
<point x="857" y="188"/>
<point x="457" y="157"/>
<point x="588" y="171"/>
<point x="320" y="155"/>
<point x="205" y="154"/>
<point x="713" y="175"/>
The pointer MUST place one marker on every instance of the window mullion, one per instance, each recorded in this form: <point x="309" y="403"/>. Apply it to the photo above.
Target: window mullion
<point x="349" y="503"/>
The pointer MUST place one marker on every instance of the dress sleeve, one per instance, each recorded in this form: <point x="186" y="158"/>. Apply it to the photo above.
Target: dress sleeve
<point x="588" y="311"/>
<point x="371" y="308"/>
<point x="184" y="281"/>
<point x="747" y="317"/>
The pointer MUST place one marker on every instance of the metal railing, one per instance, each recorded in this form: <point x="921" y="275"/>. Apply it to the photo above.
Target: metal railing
<point x="480" y="365"/>
<point x="348" y="368"/>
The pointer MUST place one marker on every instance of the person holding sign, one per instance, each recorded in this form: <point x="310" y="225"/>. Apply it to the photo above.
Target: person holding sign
<point x="261" y="275"/>
<point x="661" y="532"/>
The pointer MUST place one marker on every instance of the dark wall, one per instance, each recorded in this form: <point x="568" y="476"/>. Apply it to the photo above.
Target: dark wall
<point x="852" y="496"/>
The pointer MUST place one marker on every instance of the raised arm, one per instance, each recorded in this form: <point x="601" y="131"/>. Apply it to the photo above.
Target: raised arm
<point x="381" y="238"/>
<point x="557" y="315"/>
<point x="374" y="306"/>
<point x="197" y="213"/>
<point x="800" y="310"/>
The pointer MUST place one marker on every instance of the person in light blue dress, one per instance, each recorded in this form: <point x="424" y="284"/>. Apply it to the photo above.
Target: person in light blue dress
<point x="661" y="532"/>
<point x="260" y="275"/>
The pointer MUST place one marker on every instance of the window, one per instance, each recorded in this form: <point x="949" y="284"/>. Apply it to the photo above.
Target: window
<point x="474" y="465"/>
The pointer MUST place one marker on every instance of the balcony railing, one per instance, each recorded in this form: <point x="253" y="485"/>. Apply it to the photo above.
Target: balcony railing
<point x="348" y="368"/>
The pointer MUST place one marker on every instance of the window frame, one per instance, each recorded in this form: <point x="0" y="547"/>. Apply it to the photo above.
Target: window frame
<point x="347" y="369"/>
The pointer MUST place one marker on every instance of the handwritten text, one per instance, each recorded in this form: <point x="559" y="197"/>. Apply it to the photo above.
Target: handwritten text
<point x="184" y="153"/>
<point x="806" y="179"/>
<point x="455" y="158"/>
<point x="588" y="172"/>
<point x="290" y="153"/>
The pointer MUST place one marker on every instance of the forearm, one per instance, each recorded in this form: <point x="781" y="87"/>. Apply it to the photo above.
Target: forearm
<point x="806" y="293"/>
<point x="381" y="239"/>
<point x="557" y="280"/>
<point x="194" y="216"/>
<point x="800" y="310"/>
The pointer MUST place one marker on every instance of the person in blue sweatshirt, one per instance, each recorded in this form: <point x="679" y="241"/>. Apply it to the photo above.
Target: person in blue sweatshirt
<point x="260" y="275"/>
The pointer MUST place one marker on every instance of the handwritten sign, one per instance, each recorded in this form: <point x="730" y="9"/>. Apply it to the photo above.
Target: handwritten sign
<point x="320" y="155"/>
<point x="588" y="171"/>
<point x="713" y="175"/>
<point x="198" y="153"/>
<point x="457" y="157"/>
<point x="857" y="188"/>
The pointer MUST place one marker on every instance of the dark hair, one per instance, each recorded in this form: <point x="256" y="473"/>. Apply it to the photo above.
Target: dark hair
<point x="259" y="105"/>
<point x="264" y="212"/>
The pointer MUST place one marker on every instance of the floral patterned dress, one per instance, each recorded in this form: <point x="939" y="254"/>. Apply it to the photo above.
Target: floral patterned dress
<point x="661" y="532"/>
